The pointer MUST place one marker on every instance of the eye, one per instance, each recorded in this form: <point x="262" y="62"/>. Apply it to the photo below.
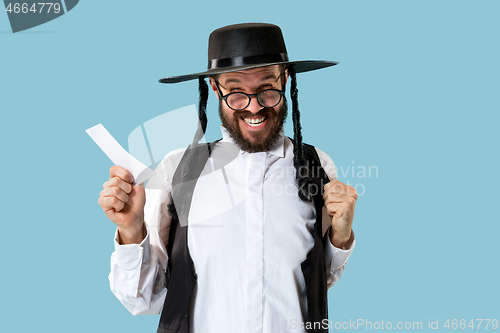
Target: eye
<point x="234" y="88"/>
<point x="265" y="87"/>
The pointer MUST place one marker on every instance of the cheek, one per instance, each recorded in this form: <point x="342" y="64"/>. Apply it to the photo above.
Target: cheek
<point x="227" y="113"/>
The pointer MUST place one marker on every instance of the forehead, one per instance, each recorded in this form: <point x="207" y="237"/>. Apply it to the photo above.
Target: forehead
<point x="254" y="75"/>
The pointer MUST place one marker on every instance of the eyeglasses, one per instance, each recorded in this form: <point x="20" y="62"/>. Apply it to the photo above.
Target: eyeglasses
<point x="238" y="101"/>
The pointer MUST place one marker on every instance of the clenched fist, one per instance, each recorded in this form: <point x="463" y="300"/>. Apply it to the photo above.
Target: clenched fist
<point x="340" y="201"/>
<point x="123" y="202"/>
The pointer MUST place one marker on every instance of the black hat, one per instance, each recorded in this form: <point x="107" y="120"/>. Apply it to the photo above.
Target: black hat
<point x="249" y="45"/>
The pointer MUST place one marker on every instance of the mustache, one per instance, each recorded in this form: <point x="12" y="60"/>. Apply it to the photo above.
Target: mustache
<point x="261" y="113"/>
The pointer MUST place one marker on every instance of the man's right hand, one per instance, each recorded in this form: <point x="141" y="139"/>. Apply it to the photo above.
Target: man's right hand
<point x="123" y="203"/>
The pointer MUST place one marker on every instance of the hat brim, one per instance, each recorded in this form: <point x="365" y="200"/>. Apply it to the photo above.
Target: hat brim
<point x="298" y="66"/>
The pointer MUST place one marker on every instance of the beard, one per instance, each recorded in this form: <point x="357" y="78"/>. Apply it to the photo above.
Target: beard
<point x="260" y="141"/>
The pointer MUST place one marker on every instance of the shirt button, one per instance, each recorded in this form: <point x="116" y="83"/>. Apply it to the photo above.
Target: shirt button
<point x="186" y="317"/>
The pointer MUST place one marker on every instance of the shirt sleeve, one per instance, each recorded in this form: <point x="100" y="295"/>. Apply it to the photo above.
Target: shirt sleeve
<point x="134" y="277"/>
<point x="137" y="276"/>
<point x="335" y="258"/>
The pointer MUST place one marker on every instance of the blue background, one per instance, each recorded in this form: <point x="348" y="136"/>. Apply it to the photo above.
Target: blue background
<point x="415" y="94"/>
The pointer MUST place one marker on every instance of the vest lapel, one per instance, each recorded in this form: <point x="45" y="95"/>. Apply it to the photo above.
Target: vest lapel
<point x="181" y="277"/>
<point x="313" y="267"/>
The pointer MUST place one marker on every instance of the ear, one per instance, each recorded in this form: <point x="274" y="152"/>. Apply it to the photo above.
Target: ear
<point x="214" y="87"/>
<point x="286" y="76"/>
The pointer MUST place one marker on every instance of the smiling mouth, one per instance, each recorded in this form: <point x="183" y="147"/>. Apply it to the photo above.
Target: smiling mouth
<point x="254" y="121"/>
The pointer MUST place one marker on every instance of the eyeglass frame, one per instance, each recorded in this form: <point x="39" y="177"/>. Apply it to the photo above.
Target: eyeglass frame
<point x="224" y="97"/>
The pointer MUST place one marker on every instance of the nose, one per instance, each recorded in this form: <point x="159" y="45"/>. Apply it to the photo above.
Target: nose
<point x="254" y="105"/>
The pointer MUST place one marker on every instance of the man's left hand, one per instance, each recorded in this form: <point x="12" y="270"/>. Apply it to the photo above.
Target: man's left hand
<point x="340" y="201"/>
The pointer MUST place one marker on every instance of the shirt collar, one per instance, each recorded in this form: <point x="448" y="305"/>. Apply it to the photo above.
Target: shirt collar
<point x="277" y="150"/>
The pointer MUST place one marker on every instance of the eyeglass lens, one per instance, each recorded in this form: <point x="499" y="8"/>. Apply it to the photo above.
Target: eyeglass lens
<point x="266" y="98"/>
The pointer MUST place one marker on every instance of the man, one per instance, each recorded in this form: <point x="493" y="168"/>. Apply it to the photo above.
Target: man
<point x="235" y="240"/>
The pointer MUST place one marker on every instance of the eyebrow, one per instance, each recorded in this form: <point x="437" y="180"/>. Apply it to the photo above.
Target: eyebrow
<point x="265" y="78"/>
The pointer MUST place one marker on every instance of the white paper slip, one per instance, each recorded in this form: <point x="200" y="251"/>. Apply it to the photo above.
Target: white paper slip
<point x="118" y="154"/>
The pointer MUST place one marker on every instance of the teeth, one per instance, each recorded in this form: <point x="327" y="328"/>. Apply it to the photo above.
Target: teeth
<point x="254" y="121"/>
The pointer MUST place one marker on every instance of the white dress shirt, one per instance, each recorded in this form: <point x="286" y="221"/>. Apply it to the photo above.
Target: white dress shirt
<point x="248" y="234"/>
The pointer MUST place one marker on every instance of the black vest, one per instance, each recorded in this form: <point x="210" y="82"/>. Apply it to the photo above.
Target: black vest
<point x="180" y="268"/>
